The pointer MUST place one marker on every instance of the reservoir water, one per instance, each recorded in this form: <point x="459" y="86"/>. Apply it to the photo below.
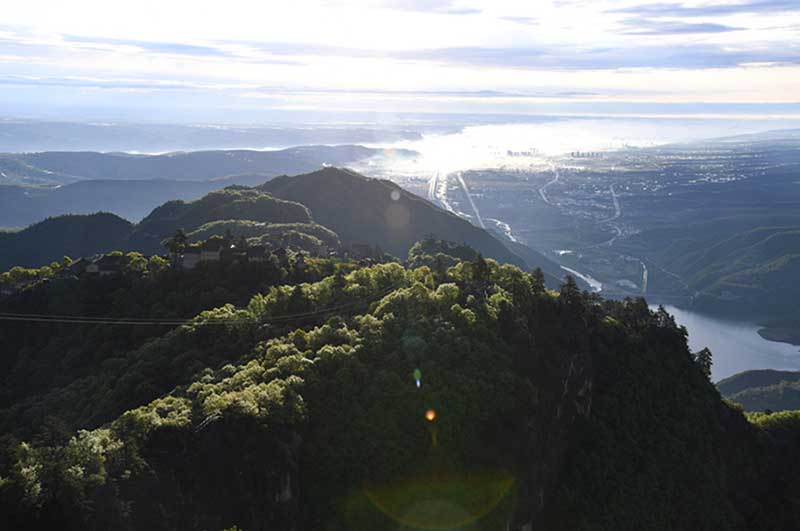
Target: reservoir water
<point x="736" y="346"/>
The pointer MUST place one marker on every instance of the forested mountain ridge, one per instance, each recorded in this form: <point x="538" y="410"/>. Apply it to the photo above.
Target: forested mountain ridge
<point x="296" y="407"/>
<point x="230" y="204"/>
<point x="71" y="166"/>
<point x="132" y="200"/>
<point x="53" y="238"/>
<point x="376" y="211"/>
<point x="44" y="184"/>
<point x="737" y="253"/>
<point x="360" y="211"/>
<point x="763" y="390"/>
<point x="78" y="236"/>
<point x="751" y="269"/>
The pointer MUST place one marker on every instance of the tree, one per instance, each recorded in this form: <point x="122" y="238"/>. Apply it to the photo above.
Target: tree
<point x="538" y="279"/>
<point x="480" y="273"/>
<point x="664" y="319"/>
<point x="703" y="359"/>
<point x="570" y="293"/>
<point x="177" y="244"/>
<point x="297" y="300"/>
<point x="338" y="286"/>
<point x="136" y="262"/>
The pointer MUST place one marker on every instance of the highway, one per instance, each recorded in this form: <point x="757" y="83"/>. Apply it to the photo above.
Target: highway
<point x="543" y="189"/>
<point x="469" y="198"/>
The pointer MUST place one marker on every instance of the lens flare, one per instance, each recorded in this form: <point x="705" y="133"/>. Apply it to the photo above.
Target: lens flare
<point x="448" y="501"/>
<point x="397" y="216"/>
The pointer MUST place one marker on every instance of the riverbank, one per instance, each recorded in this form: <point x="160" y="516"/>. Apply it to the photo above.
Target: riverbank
<point x="784" y="332"/>
<point x="735" y="345"/>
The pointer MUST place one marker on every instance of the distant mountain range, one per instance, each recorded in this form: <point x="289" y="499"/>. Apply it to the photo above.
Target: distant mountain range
<point x="358" y="209"/>
<point x="71" y="166"/>
<point x="32" y="135"/>
<point x="38" y="185"/>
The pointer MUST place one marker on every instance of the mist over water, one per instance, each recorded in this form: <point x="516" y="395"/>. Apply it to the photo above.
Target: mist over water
<point x="486" y="146"/>
<point x="736" y="346"/>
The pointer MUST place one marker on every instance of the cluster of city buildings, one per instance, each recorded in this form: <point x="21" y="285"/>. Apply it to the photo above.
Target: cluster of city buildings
<point x="586" y="154"/>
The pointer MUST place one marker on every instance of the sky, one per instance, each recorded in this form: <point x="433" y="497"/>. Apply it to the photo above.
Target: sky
<point x="157" y="58"/>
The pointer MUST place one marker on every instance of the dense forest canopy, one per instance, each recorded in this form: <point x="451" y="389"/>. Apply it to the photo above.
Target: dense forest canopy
<point x="340" y="396"/>
<point x="316" y="211"/>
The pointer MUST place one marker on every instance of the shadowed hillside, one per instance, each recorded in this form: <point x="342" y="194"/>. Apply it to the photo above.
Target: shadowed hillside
<point x="763" y="390"/>
<point x="54" y="238"/>
<point x="38" y="185"/>
<point x="378" y="212"/>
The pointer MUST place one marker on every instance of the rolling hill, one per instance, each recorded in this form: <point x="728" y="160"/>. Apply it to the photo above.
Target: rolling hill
<point x="355" y="209"/>
<point x="762" y="390"/>
<point x="378" y="212"/>
<point x="38" y="185"/>
<point x="54" y="238"/>
<point x="233" y="203"/>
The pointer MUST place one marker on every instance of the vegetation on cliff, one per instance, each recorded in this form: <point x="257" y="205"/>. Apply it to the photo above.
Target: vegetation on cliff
<point x="351" y="397"/>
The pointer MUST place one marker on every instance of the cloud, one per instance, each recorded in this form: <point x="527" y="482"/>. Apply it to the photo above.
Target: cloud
<point x="719" y="9"/>
<point x="643" y="26"/>
<point x="152" y="47"/>
<point x="24" y="44"/>
<point x="108" y="84"/>
<point x="527" y="21"/>
<point x="448" y="7"/>
<point x="573" y="58"/>
<point x="562" y="56"/>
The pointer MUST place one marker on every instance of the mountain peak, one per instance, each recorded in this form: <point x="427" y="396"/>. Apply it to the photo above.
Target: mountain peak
<point x="365" y="210"/>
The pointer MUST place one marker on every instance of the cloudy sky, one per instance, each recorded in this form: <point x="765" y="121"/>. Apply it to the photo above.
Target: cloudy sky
<point x="612" y="56"/>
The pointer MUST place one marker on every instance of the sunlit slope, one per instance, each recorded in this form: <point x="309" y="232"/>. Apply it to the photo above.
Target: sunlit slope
<point x="763" y="390"/>
<point x="371" y="398"/>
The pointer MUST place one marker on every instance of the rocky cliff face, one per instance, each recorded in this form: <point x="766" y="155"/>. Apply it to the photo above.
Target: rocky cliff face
<point x="566" y="383"/>
<point x="223" y="473"/>
<point x="470" y="399"/>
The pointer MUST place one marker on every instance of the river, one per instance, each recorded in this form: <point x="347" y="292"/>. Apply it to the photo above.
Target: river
<point x="736" y="346"/>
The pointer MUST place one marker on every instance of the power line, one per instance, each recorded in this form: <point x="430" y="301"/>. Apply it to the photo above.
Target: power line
<point x="95" y="321"/>
<point x="143" y="321"/>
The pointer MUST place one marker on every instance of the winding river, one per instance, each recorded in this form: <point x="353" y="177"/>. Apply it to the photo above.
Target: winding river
<point x="736" y="346"/>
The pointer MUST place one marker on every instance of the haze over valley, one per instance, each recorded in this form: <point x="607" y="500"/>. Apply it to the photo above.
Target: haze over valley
<point x="685" y="212"/>
<point x="400" y="265"/>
